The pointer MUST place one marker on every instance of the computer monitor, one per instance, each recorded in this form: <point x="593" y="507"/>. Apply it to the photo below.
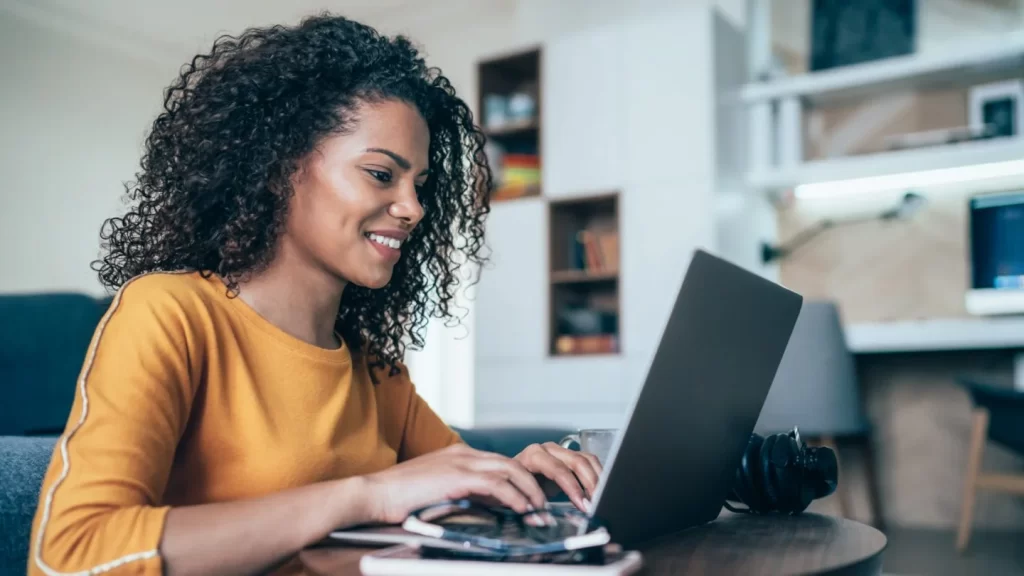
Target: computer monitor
<point x="996" y="250"/>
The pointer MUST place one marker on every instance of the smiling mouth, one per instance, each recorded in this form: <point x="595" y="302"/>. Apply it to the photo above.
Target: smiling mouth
<point x="393" y="243"/>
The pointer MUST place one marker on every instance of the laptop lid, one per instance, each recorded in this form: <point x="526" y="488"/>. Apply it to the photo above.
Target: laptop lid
<point x="675" y="460"/>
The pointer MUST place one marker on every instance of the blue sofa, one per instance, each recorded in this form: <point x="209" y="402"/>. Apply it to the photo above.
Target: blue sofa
<point x="43" y="340"/>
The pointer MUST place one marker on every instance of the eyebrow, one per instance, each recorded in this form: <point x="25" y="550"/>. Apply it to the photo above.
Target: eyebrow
<point x="398" y="158"/>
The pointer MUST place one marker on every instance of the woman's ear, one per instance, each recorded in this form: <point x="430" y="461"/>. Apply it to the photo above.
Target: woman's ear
<point x="295" y="180"/>
<point x="301" y="172"/>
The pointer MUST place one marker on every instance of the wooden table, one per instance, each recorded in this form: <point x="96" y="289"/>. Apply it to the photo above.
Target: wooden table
<point x="732" y="544"/>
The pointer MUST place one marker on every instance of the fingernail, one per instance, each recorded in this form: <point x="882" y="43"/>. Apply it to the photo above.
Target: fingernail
<point x="530" y="508"/>
<point x="587" y="506"/>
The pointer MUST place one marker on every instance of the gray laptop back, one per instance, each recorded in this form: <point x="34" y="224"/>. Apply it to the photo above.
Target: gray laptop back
<point x="675" y="460"/>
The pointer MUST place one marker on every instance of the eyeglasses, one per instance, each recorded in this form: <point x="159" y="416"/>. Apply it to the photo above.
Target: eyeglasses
<point x="482" y="532"/>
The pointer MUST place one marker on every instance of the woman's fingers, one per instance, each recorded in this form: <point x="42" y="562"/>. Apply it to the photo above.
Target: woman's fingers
<point x="495" y="485"/>
<point x="581" y="466"/>
<point x="515" y="473"/>
<point x="538" y="460"/>
<point x="594" y="462"/>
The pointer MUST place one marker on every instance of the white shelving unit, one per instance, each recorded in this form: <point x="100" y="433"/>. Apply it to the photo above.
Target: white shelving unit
<point x="775" y="110"/>
<point x="609" y="122"/>
<point x="886" y="163"/>
<point x="991" y="56"/>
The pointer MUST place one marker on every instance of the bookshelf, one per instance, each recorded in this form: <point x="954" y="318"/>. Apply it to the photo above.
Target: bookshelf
<point x="603" y="90"/>
<point x="584" y="302"/>
<point x="510" y="115"/>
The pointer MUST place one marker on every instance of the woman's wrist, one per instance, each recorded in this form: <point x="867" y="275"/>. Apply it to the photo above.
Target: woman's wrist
<point x="373" y="498"/>
<point x="355" y="501"/>
<point x="340" y="504"/>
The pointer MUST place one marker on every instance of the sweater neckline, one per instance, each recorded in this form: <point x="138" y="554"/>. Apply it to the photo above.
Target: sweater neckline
<point x="340" y="355"/>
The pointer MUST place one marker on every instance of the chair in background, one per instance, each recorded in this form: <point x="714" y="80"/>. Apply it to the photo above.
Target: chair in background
<point x="997" y="415"/>
<point x="816" y="391"/>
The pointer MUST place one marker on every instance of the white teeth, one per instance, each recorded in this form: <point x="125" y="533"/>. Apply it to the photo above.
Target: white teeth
<point x="384" y="240"/>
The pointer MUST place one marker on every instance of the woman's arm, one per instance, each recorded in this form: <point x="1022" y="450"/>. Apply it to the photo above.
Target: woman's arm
<point x="101" y="505"/>
<point x="248" y="536"/>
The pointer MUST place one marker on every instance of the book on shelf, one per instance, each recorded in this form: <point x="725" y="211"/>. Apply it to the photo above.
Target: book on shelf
<point x="511" y="191"/>
<point x="595" y="250"/>
<point x="520" y="169"/>
<point x="518" y="174"/>
<point x="586" y="344"/>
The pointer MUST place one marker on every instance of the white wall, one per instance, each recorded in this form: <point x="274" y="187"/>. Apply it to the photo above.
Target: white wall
<point x="81" y="83"/>
<point x="72" y="120"/>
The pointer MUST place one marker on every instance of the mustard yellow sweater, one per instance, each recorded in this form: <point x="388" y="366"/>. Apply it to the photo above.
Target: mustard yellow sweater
<point x="187" y="396"/>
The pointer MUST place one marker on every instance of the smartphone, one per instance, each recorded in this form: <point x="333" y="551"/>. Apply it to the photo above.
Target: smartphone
<point x="405" y="560"/>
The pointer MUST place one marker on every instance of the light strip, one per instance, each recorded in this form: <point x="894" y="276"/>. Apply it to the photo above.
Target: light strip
<point x="910" y="180"/>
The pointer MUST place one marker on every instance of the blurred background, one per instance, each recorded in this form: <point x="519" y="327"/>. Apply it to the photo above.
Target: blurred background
<point x="865" y="153"/>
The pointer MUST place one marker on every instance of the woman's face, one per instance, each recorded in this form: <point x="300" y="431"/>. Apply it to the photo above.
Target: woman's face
<point x="354" y="201"/>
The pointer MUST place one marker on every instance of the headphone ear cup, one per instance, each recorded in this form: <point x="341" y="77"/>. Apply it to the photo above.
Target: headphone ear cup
<point x="789" y="479"/>
<point x="745" y="487"/>
<point x="807" y="489"/>
<point x="757" y="492"/>
<point x="768" y="480"/>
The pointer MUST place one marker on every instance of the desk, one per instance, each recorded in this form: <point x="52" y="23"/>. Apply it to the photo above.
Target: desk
<point x="732" y="544"/>
<point x="936" y="335"/>
<point x="945" y="334"/>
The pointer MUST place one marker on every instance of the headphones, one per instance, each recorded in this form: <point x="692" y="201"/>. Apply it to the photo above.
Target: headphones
<point x="780" y="473"/>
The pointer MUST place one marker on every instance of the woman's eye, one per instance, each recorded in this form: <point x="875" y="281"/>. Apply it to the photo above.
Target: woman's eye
<point x="380" y="176"/>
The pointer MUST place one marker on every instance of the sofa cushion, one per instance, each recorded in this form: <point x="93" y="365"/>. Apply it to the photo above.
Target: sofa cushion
<point x="43" y="341"/>
<point x="23" y="463"/>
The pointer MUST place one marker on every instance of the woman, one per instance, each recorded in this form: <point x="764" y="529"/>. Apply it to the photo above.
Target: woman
<point x="305" y="202"/>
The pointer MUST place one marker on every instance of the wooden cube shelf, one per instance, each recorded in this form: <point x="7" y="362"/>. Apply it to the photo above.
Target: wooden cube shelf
<point x="509" y="106"/>
<point x="584" y="304"/>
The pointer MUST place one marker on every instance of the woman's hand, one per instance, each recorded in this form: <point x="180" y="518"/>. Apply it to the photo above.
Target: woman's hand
<point x="576" y="473"/>
<point x="449" y="474"/>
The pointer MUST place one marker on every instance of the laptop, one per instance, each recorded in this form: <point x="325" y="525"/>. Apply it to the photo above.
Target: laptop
<point x="675" y="460"/>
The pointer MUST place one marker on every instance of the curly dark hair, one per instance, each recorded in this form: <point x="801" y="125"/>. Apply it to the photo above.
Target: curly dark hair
<point x="213" y="189"/>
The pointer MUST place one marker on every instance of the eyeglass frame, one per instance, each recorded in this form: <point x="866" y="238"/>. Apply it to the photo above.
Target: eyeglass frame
<point x="496" y="546"/>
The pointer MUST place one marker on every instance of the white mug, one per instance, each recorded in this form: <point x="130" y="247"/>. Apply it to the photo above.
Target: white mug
<point x="596" y="441"/>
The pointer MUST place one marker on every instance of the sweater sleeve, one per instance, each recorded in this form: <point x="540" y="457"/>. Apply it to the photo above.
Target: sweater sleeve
<point x="99" y="509"/>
